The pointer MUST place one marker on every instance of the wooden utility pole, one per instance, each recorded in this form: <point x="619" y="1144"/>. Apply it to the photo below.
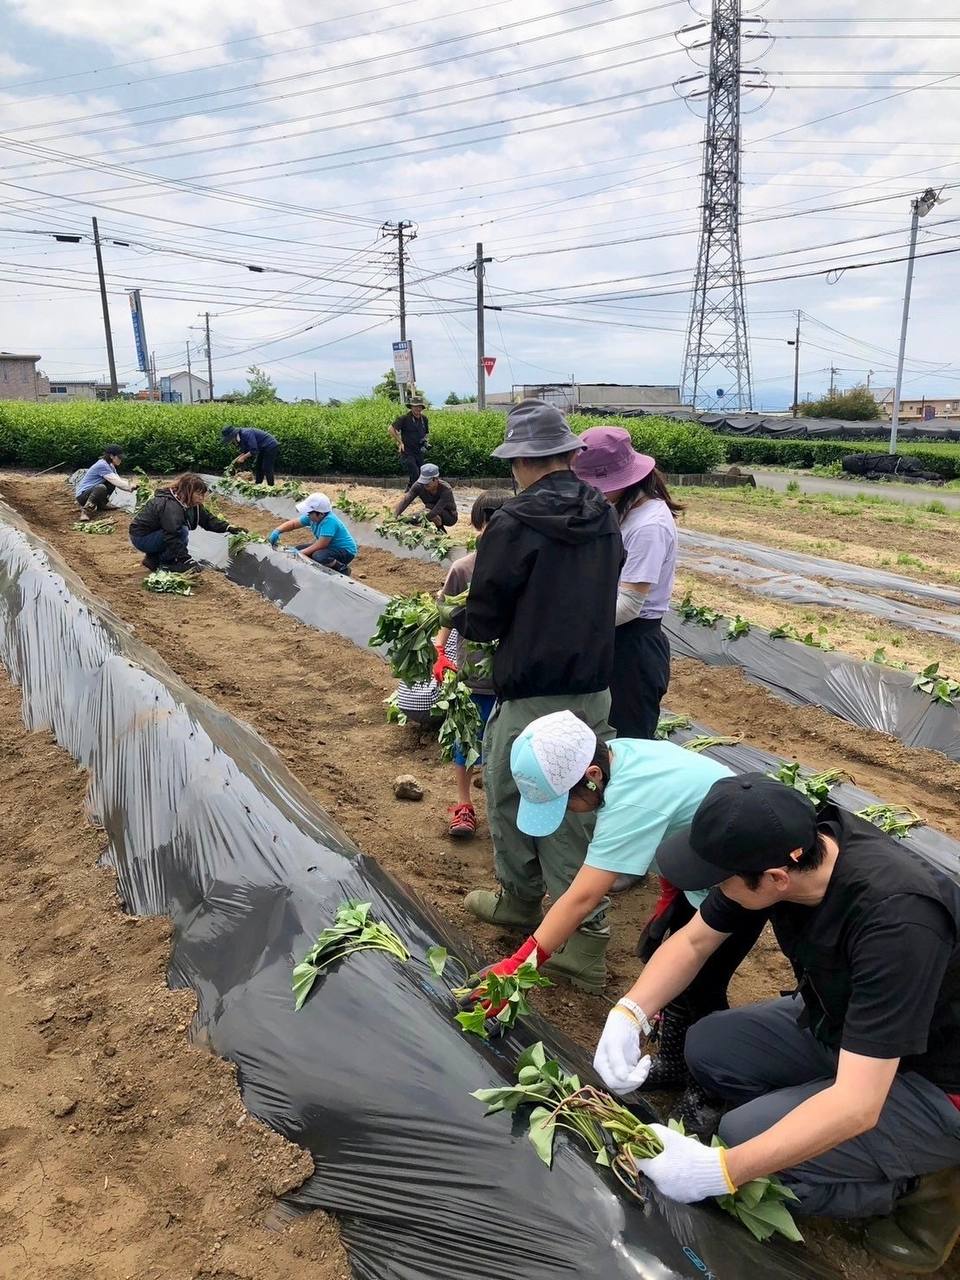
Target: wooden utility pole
<point x="114" y="388"/>
<point x="398" y="229"/>
<point x="209" y="354"/>
<point x="189" y="374"/>
<point x="796" y="369"/>
<point x="481" y="371"/>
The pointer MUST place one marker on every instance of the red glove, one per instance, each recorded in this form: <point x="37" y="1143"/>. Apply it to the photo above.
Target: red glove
<point x="530" y="953"/>
<point x="441" y="666"/>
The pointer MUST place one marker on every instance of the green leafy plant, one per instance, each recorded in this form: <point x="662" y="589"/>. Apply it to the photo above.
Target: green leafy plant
<point x="895" y="820"/>
<point x="815" y="786"/>
<point x="738" y="627"/>
<point x="406" y="629"/>
<point x="492" y="989"/>
<point x="352" y="931"/>
<point x="145" y="488"/>
<point x="242" y="538"/>
<point x="817" y="639"/>
<point x="785" y="633"/>
<point x="669" y="725"/>
<point x="705" y="741"/>
<point x="95" y="526"/>
<point x="698" y="613"/>
<point x="414" y="536"/>
<point x="356" y="510"/>
<point x="940" y="688"/>
<point x="249" y="489"/>
<point x="165" y="582"/>
<point x="462" y="725"/>
<point x="618" y="1138"/>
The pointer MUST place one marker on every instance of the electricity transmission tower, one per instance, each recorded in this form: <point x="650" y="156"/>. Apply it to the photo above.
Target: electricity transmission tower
<point x="716" y="366"/>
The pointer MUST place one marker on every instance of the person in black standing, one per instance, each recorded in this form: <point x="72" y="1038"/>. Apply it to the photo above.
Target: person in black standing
<point x="411" y="431"/>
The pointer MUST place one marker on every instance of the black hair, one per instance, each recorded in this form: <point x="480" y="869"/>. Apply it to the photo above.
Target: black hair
<point x="566" y="456"/>
<point x="112" y="451"/>
<point x="601" y="758"/>
<point x="490" y="500"/>
<point x="651" y="486"/>
<point x="809" y="860"/>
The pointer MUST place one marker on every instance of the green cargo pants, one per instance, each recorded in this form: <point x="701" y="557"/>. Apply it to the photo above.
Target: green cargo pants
<point x="526" y="866"/>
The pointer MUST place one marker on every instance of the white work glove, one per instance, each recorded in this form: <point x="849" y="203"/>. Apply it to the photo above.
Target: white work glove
<point x="686" y="1170"/>
<point x="618" y="1060"/>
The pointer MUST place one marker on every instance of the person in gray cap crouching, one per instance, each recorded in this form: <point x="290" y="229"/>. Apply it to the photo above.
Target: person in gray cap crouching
<point x="544" y="586"/>
<point x="440" y="505"/>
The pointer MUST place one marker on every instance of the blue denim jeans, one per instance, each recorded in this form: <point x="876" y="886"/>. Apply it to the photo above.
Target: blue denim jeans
<point x="339" y="560"/>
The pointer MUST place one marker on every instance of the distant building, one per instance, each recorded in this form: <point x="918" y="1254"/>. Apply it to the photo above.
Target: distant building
<point x="914" y="409"/>
<point x="573" y="396"/>
<point x="19" y="379"/>
<point x="66" y="389"/>
<point x="189" y="387"/>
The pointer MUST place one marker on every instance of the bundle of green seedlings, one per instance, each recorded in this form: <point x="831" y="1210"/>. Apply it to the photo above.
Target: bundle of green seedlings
<point x="489" y="989"/>
<point x="406" y="629"/>
<point x="165" y="582"/>
<point x="237" y="541"/>
<point x="145" y="488"/>
<point x="352" y="931"/>
<point x="895" y="820"/>
<point x="618" y="1139"/>
<point x="706" y="741"/>
<point x="249" y="489"/>
<point x="815" y="786"/>
<point x="414" y="536"/>
<point x="669" y="725"/>
<point x="94" y="526"/>
<point x="357" y="510"/>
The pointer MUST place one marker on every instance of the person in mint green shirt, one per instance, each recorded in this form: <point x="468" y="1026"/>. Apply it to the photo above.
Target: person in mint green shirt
<point x="642" y="792"/>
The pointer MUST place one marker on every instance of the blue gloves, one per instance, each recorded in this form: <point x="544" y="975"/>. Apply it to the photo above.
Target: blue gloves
<point x="274" y="537"/>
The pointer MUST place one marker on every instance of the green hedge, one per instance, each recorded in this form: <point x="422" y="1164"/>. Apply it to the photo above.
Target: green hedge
<point x="351" y="439"/>
<point x="759" y="450"/>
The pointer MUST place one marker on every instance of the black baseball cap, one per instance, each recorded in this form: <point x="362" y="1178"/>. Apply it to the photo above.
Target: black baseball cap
<point x="744" y="825"/>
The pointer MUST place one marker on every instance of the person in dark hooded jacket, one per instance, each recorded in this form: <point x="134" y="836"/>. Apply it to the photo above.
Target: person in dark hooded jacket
<point x="161" y="527"/>
<point x="545" y="587"/>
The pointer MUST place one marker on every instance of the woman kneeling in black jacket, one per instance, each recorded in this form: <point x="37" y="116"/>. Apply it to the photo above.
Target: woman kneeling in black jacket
<point x="161" y="527"/>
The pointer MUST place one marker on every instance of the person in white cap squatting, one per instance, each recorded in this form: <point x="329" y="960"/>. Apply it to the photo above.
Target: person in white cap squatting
<point x="332" y="546"/>
<point x="544" y="586"/>
<point x="440" y="506"/>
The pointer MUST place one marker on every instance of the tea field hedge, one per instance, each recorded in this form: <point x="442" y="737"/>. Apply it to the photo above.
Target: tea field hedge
<point x="350" y="440"/>
<point x="760" y="451"/>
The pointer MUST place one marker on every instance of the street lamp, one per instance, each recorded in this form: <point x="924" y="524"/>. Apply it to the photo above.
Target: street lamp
<point x="921" y="206"/>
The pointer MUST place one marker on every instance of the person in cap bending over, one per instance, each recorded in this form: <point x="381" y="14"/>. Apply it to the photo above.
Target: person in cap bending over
<point x="259" y="445"/>
<point x="545" y="586"/>
<point x="411" y="431"/>
<point x="440" y="506"/>
<point x="641" y="792"/>
<point x="635" y="488"/>
<point x="848" y="1090"/>
<point x="95" y="487"/>
<point x="332" y="542"/>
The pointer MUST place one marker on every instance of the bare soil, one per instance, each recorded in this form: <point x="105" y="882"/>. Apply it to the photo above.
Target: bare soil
<point x="299" y="688"/>
<point x="124" y="1152"/>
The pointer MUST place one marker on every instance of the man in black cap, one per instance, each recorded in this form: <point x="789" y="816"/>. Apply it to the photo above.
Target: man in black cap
<point x="256" y="444"/>
<point x="849" y="1089"/>
<point x="411" y="431"/>
<point x="545" y="587"/>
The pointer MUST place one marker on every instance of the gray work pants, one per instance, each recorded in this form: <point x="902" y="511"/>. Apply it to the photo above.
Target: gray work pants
<point x="763" y="1062"/>
<point x="528" y="867"/>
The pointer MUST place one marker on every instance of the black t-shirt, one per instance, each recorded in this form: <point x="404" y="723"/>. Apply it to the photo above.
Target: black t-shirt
<point x="877" y="962"/>
<point x="413" y="431"/>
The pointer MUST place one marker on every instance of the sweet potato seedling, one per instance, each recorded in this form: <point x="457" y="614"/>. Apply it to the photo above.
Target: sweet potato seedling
<point x="165" y="582"/>
<point x="95" y="526"/>
<point x="237" y="541"/>
<point x="352" y="931"/>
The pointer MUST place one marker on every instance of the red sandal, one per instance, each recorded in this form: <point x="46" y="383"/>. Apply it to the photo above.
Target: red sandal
<point x="464" y="824"/>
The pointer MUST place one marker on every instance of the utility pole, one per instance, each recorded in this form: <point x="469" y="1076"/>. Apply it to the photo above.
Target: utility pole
<point x="314" y="386"/>
<point x="869" y="376"/>
<point x="189" y="374"/>
<point x="209" y="354"/>
<point x="717" y="345"/>
<point x="795" y="343"/>
<point x="114" y="388"/>
<point x="396" y="230"/>
<point x="833" y="379"/>
<point x="481" y="371"/>
<point x="919" y="207"/>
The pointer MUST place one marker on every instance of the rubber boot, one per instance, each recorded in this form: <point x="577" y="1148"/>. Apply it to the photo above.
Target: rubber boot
<point x="698" y="1112"/>
<point x="582" y="961"/>
<point x="669" y="1070"/>
<point x="500" y="907"/>
<point x="919" y="1236"/>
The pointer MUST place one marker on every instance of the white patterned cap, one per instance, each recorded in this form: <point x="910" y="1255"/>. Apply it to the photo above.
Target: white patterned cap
<point x="549" y="757"/>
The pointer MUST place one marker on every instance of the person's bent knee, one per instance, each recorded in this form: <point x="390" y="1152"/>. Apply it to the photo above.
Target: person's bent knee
<point x="700" y="1050"/>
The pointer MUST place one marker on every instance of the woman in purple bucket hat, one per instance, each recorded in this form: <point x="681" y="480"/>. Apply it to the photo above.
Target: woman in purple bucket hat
<point x="632" y="484"/>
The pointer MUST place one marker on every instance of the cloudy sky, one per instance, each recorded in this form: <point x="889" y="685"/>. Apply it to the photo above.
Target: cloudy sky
<point x="563" y="134"/>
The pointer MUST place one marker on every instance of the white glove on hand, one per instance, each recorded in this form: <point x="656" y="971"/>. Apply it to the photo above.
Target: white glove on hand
<point x="618" y="1060"/>
<point x="686" y="1170"/>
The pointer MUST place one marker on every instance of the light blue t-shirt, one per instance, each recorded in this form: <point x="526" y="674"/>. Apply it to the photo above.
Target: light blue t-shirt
<point x="655" y="788"/>
<point x="332" y="527"/>
<point x="93" y="475"/>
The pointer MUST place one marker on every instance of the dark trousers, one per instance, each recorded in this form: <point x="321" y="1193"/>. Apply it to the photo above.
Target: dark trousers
<point x="339" y="560"/>
<point x="98" y="496"/>
<point x="170" y="549"/>
<point x="763" y="1062"/>
<point x="264" y="463"/>
<point x="412" y="461"/>
<point x="641" y="674"/>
